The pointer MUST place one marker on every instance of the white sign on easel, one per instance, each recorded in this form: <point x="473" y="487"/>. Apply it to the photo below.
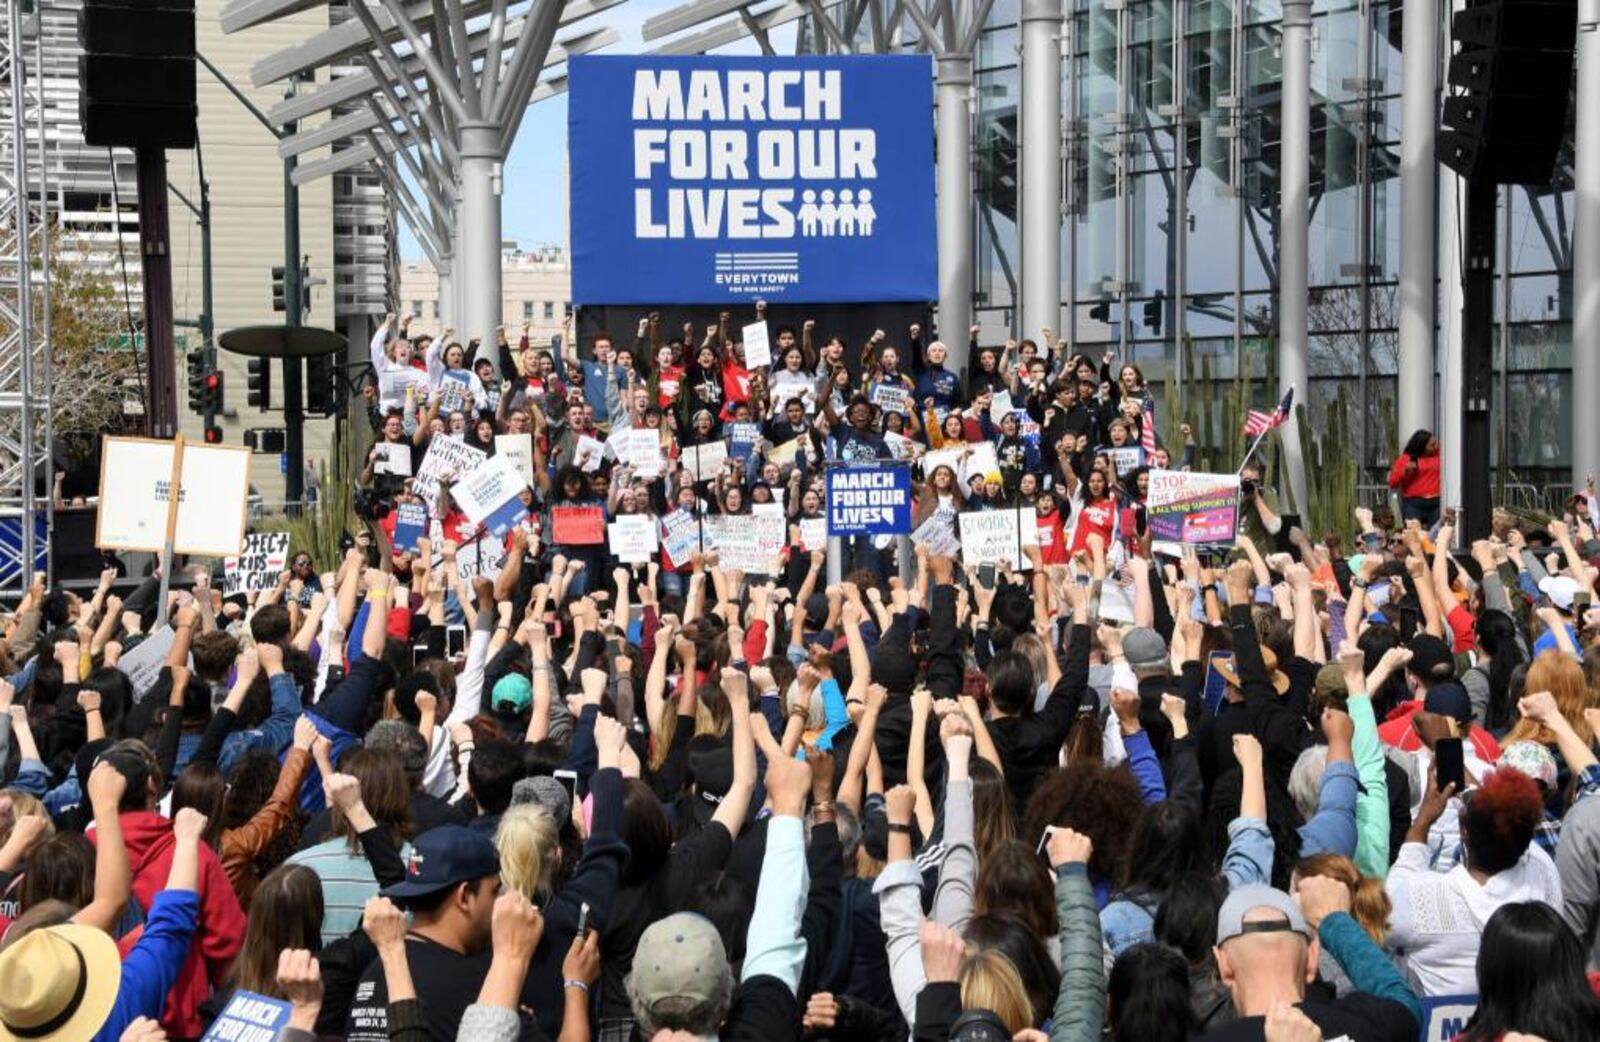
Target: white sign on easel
<point x="135" y="479"/>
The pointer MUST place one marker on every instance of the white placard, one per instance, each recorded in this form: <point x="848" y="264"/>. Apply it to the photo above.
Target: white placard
<point x="900" y="446"/>
<point x="588" y="454"/>
<point x="813" y="534"/>
<point x="767" y="509"/>
<point x="143" y="663"/>
<point x="1000" y="407"/>
<point x="632" y="538"/>
<point x="704" y="462"/>
<point x="258" y="566"/>
<point x="519" y="449"/>
<point x="757" y="345"/>
<point x="638" y="448"/>
<point x="932" y="461"/>
<point x="393" y="457"/>
<point x="481" y="557"/>
<point x="991" y="536"/>
<point x="749" y="544"/>
<point x="489" y="495"/>
<point x="983" y="461"/>
<point x="446" y="457"/>
<point x="939" y="532"/>
<point x="134" y="477"/>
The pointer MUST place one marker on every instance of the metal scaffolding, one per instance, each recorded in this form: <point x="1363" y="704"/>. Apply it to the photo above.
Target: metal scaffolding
<point x="27" y="474"/>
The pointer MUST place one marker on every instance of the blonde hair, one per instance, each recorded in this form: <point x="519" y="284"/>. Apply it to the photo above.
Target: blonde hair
<point x="529" y="840"/>
<point x="1369" y="901"/>
<point x="14" y="804"/>
<point x="990" y="981"/>
<point x="1560" y="675"/>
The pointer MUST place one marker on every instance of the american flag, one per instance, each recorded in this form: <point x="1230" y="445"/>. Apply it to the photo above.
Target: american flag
<point x="1147" y="429"/>
<point x="1256" y="422"/>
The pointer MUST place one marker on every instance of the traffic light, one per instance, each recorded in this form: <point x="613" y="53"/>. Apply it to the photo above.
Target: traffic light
<point x="197" y="376"/>
<point x="278" y="290"/>
<point x="1153" y="310"/>
<point x="259" y="379"/>
<point x="322" y="394"/>
<point x="211" y="393"/>
<point x="213" y="435"/>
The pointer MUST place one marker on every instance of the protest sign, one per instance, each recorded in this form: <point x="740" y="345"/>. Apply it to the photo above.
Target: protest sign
<point x="1000" y="407"/>
<point x="144" y="660"/>
<point x="1192" y="508"/>
<point x="1125" y="459"/>
<point x="680" y="536"/>
<point x="992" y="536"/>
<point x="263" y="559"/>
<point x="491" y="495"/>
<point x="588" y="454"/>
<point x="773" y="509"/>
<point x="249" y="1017"/>
<point x="869" y="499"/>
<point x="135" y="477"/>
<point x="890" y="398"/>
<point x="632" y="538"/>
<point x="813" y="534"/>
<point x="519" y="449"/>
<point x="455" y="393"/>
<point x="902" y="447"/>
<point x="783" y="455"/>
<point x="638" y="448"/>
<point x="742" y="438"/>
<point x="392" y="457"/>
<point x="577" y="526"/>
<point x="820" y="169"/>
<point x="748" y="544"/>
<point x="446" y="458"/>
<point x="1216" y="686"/>
<point x="704" y="462"/>
<point x="480" y="559"/>
<point x="410" y="522"/>
<point x="939" y="533"/>
<point x="952" y="458"/>
<point x="757" y="345"/>
<point x="1444" y="1017"/>
<point x="983" y="460"/>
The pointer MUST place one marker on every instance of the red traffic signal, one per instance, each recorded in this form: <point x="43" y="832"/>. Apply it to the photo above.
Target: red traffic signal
<point x="213" y="435"/>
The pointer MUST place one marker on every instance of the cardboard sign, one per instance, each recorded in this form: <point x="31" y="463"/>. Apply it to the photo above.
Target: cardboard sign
<point x="491" y="496"/>
<point x="518" y="448"/>
<point x="577" y="526"/>
<point x="757" y="345"/>
<point x="143" y="663"/>
<point x="481" y="558"/>
<point x="704" y="462"/>
<point x="869" y="499"/>
<point x="393" y="457"/>
<point x="992" y="536"/>
<point x="939" y="533"/>
<point x="813" y="534"/>
<point x="891" y="398"/>
<point x="784" y="455"/>
<point x="135" y="475"/>
<point x="632" y="538"/>
<point x="258" y="566"/>
<point x="749" y="544"/>
<point x="680" y="536"/>
<point x="249" y="1017"/>
<point x="1192" y="508"/>
<point x="410" y="524"/>
<point x="952" y="458"/>
<point x="446" y="457"/>
<point x="983" y="460"/>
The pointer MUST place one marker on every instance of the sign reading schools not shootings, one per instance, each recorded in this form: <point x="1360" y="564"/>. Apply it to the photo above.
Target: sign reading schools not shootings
<point x="707" y="180"/>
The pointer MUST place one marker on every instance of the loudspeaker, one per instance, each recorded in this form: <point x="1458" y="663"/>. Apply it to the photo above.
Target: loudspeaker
<point x="136" y="75"/>
<point x="1512" y="78"/>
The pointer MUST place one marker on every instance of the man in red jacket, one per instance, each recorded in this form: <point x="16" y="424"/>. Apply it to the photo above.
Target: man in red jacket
<point x="219" y="932"/>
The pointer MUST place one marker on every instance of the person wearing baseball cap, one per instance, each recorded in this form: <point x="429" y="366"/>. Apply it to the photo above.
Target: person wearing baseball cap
<point x="1433" y="667"/>
<point x="1267" y="948"/>
<point x="452" y="879"/>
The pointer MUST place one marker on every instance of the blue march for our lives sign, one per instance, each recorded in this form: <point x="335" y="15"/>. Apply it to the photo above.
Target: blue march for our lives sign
<point x="709" y="180"/>
<point x="868" y="499"/>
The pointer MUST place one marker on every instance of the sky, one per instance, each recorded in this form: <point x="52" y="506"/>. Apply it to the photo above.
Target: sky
<point x="533" y="195"/>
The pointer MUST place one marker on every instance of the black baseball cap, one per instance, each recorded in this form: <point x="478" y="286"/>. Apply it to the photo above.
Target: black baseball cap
<point x="444" y="857"/>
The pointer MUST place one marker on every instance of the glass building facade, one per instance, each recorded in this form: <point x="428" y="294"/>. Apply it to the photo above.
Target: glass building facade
<point x="1169" y="146"/>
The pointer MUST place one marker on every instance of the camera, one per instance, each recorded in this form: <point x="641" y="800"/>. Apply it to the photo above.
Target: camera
<point x="1248" y="487"/>
<point x="369" y="507"/>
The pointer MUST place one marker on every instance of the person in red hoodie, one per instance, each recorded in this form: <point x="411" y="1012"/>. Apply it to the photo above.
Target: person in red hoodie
<point x="1415" y="476"/>
<point x="149" y="840"/>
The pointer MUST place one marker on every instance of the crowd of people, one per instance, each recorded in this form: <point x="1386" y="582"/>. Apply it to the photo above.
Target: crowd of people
<point x="1289" y="788"/>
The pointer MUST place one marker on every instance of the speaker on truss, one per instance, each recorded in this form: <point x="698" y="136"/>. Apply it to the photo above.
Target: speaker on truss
<point x="1511" y="76"/>
<point x="136" y="75"/>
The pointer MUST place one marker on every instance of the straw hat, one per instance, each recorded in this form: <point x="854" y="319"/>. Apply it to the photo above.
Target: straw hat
<point x="60" y="983"/>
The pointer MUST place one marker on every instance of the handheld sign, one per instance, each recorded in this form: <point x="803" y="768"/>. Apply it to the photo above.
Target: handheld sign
<point x="519" y="449"/>
<point x="577" y="526"/>
<point x="1192" y="508"/>
<point x="632" y="538"/>
<point x="446" y="457"/>
<point x="869" y="499"/>
<point x="257" y="568"/>
<point x="757" y="346"/>
<point x="491" y="495"/>
<point x="410" y="524"/>
<point x="249" y="1017"/>
<point x="136" y="476"/>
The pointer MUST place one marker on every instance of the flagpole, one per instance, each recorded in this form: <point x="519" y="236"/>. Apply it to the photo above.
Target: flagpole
<point x="1251" y="451"/>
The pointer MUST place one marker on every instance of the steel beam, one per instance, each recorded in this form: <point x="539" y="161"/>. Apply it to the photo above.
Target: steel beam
<point x="1040" y="211"/>
<point x="1585" y="397"/>
<point x="1293" y="233"/>
<point x="1419" y="120"/>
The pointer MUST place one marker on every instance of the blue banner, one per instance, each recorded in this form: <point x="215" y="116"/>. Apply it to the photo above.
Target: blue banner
<point x="869" y="499"/>
<point x="410" y="525"/>
<point x="715" y="180"/>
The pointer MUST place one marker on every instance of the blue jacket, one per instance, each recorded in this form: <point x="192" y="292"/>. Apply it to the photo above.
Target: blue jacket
<point x="151" y="969"/>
